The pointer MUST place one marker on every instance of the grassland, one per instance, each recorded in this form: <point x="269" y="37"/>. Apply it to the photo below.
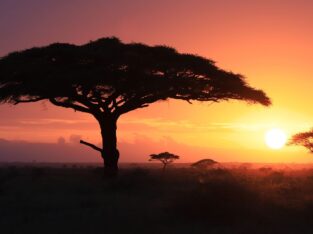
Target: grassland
<point x="78" y="199"/>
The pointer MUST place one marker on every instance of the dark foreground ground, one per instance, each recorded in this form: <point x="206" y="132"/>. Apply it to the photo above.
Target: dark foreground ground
<point x="37" y="199"/>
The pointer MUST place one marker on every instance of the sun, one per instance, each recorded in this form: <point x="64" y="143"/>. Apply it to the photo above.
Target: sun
<point x="275" y="138"/>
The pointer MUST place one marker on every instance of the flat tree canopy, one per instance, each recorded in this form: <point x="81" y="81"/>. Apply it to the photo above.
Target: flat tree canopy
<point x="108" y="78"/>
<point x="165" y="158"/>
<point x="204" y="164"/>
<point x="304" y="139"/>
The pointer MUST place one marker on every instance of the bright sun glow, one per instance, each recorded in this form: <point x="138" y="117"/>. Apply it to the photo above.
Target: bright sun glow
<point x="275" y="138"/>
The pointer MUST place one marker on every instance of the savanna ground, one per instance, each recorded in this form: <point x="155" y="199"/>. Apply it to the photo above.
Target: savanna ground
<point x="78" y="199"/>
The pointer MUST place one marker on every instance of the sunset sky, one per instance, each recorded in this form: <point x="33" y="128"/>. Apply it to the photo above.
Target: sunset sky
<point x="269" y="42"/>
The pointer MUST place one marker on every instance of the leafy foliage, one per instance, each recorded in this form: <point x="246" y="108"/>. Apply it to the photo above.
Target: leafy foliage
<point x="108" y="76"/>
<point x="303" y="139"/>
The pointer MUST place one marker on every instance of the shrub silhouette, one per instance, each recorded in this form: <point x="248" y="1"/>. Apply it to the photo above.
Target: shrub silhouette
<point x="107" y="78"/>
<point x="265" y="169"/>
<point x="165" y="158"/>
<point x="204" y="164"/>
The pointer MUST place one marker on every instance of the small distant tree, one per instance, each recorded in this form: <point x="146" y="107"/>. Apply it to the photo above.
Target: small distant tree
<point x="204" y="164"/>
<point x="265" y="169"/>
<point x="245" y="166"/>
<point x="165" y="158"/>
<point x="303" y="139"/>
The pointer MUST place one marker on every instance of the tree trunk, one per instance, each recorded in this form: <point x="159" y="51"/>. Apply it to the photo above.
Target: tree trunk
<point x="109" y="153"/>
<point x="164" y="166"/>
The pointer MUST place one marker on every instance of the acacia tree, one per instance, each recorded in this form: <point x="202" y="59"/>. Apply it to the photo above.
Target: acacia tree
<point x="107" y="78"/>
<point x="303" y="139"/>
<point x="165" y="158"/>
<point x="204" y="164"/>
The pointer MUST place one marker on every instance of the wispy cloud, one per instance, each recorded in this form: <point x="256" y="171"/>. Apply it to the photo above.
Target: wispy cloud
<point x="158" y="122"/>
<point x="186" y="124"/>
<point x="53" y="121"/>
<point x="240" y="126"/>
<point x="9" y="128"/>
<point x="218" y="126"/>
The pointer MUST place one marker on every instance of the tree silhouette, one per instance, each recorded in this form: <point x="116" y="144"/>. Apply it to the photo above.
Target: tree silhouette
<point x="165" y="158"/>
<point x="107" y="78"/>
<point x="303" y="139"/>
<point x="204" y="164"/>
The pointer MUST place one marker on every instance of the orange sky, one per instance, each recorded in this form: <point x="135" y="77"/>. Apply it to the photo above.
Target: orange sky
<point x="270" y="42"/>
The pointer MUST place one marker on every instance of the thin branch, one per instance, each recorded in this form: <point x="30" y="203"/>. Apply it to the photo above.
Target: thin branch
<point x="26" y="101"/>
<point x="90" y="145"/>
<point x="69" y="105"/>
<point x="110" y="101"/>
<point x="114" y="104"/>
<point x="87" y="103"/>
<point x="101" y="103"/>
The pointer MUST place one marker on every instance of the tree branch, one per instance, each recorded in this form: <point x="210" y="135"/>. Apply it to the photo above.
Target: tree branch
<point x="26" y="101"/>
<point x="101" y="103"/>
<point x="69" y="105"/>
<point x="86" y="102"/>
<point x="111" y="101"/>
<point x="90" y="145"/>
